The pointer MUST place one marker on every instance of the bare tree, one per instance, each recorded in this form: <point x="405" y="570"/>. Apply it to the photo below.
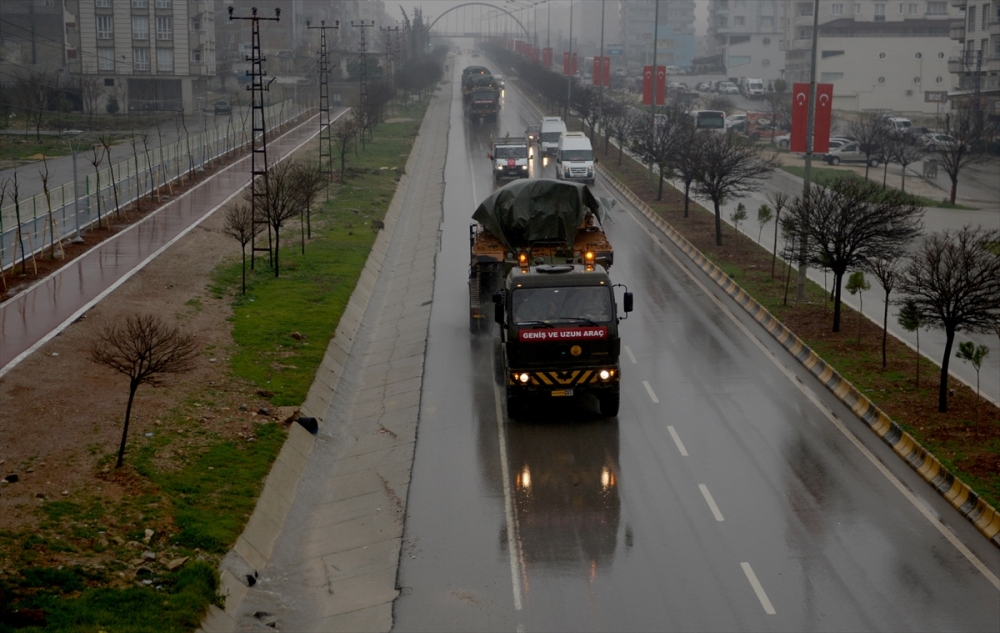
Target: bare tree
<point x="623" y="127"/>
<point x="143" y="348"/>
<point x="31" y="96"/>
<point x="779" y="201"/>
<point x="954" y="279"/>
<point x="241" y="227"/>
<point x="53" y="240"/>
<point x="308" y="179"/>
<point x="658" y="142"/>
<point x="96" y="158"/>
<point x="106" y="143"/>
<point x="91" y="92"/>
<point x="277" y="202"/>
<point x="613" y="108"/>
<point x="849" y="223"/>
<point x="870" y="132"/>
<point x="912" y="319"/>
<point x="344" y="132"/>
<point x="721" y="102"/>
<point x="973" y="133"/>
<point x="586" y="106"/>
<point x="731" y="165"/>
<point x="779" y="106"/>
<point x="905" y="150"/>
<point x="687" y="163"/>
<point x="886" y="271"/>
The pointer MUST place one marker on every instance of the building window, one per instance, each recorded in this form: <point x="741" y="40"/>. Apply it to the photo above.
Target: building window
<point x="882" y="55"/>
<point x="857" y="9"/>
<point x="916" y="80"/>
<point x="739" y="20"/>
<point x="738" y="60"/>
<point x="985" y="19"/>
<point x="880" y="12"/>
<point x="165" y="60"/>
<point x="140" y="59"/>
<point x="881" y="80"/>
<point x="972" y="18"/>
<point x="828" y="77"/>
<point x="196" y="55"/>
<point x="937" y="8"/>
<point x="105" y="27"/>
<point x="140" y="4"/>
<point x="103" y="4"/>
<point x="911" y="8"/>
<point x="900" y="8"/>
<point x="106" y="59"/>
<point x="767" y="41"/>
<point x="108" y="81"/>
<point x="140" y="27"/>
<point x="826" y="54"/>
<point x="940" y="55"/>
<point x="723" y="21"/>
<point x="837" y="9"/>
<point x="765" y="63"/>
<point x="805" y="34"/>
<point x="938" y="79"/>
<point x="164" y="4"/>
<point x="164" y="27"/>
<point x="767" y="23"/>
<point x="918" y="55"/>
<point x="805" y="9"/>
<point x="195" y="24"/>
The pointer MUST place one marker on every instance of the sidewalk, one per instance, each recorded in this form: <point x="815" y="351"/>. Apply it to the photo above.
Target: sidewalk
<point x="42" y="311"/>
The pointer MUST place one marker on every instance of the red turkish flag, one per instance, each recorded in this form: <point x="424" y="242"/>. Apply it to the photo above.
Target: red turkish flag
<point x="547" y="57"/>
<point x="647" y="85"/>
<point x="800" y="118"/>
<point x="597" y="71"/>
<point x="607" y="71"/>
<point x="661" y="85"/>
<point x="566" y="63"/>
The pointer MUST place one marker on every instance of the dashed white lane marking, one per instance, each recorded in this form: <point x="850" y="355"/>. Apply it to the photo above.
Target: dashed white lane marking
<point x="711" y="502"/>
<point x="758" y="589"/>
<point x="631" y="357"/>
<point x="677" y="441"/>
<point x="828" y="414"/>
<point x="649" y="390"/>
<point x="512" y="543"/>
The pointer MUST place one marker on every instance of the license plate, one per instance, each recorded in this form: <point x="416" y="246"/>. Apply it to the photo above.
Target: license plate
<point x="562" y="393"/>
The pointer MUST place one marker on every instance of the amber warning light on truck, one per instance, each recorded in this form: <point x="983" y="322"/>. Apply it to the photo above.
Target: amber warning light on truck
<point x="564" y="334"/>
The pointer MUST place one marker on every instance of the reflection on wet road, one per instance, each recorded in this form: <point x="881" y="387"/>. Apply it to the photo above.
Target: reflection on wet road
<point x="721" y="498"/>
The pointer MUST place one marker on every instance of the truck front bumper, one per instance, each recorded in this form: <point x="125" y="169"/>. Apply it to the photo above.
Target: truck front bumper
<point x="563" y="382"/>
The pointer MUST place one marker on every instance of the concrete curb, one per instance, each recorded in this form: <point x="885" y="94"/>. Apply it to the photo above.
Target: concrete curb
<point x="254" y="546"/>
<point x="957" y="493"/>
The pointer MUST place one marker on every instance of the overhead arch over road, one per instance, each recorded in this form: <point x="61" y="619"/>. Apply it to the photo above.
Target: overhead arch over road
<point x="481" y="4"/>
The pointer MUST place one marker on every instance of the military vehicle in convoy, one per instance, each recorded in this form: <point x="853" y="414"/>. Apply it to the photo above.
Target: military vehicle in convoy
<point x="469" y="75"/>
<point x="539" y="252"/>
<point x="510" y="158"/>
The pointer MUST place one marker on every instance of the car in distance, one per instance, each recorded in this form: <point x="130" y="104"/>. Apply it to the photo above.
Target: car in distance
<point x="533" y="134"/>
<point x="222" y="107"/>
<point x="499" y="81"/>
<point x="934" y="141"/>
<point x="728" y="88"/>
<point x="850" y="153"/>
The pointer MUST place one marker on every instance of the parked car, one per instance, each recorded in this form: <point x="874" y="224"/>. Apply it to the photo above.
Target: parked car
<point x="704" y="87"/>
<point x="735" y="120"/>
<point x="728" y="88"/>
<point x="222" y="107"/>
<point x="934" y="141"/>
<point x="850" y="153"/>
<point x="917" y="131"/>
<point x="784" y="140"/>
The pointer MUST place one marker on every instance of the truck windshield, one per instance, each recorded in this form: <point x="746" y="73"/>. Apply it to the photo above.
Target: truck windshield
<point x="512" y="151"/>
<point x="579" y="303"/>
<point x="551" y="137"/>
<point x="577" y="154"/>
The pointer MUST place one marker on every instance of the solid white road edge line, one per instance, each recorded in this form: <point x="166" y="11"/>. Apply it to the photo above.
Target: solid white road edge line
<point x="677" y="441"/>
<point x="758" y="589"/>
<point x="628" y="350"/>
<point x="649" y="390"/>
<point x="937" y="523"/>
<point x="711" y="502"/>
<point x="512" y="544"/>
<point x="90" y="304"/>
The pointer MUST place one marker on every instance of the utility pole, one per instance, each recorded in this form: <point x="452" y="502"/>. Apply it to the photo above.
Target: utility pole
<point x="569" y="79"/>
<point x="389" y="62"/>
<point x="656" y="42"/>
<point x="800" y="283"/>
<point x="363" y="75"/>
<point x="548" y="27"/>
<point x="600" y="70"/>
<point x="258" y="124"/>
<point x="325" y="138"/>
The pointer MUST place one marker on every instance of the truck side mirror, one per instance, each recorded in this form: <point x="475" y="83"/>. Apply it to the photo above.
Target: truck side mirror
<point x="628" y="302"/>
<point x="498" y="308"/>
<point x="595" y="160"/>
<point x="489" y="156"/>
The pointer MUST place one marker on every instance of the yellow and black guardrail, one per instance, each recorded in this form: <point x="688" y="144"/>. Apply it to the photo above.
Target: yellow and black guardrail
<point x="984" y="516"/>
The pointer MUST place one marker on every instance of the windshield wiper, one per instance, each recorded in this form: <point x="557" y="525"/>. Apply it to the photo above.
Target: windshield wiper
<point x="579" y="320"/>
<point x="541" y="323"/>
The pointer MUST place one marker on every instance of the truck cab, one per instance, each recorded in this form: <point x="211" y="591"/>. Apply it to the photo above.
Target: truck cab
<point x="575" y="158"/>
<point x="559" y="335"/>
<point x="510" y="159"/>
<point x="552" y="129"/>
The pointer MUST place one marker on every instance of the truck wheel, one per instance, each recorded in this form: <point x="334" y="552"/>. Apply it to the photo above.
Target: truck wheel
<point x="609" y="403"/>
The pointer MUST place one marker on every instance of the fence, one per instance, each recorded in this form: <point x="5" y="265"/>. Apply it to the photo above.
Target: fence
<point x="121" y="184"/>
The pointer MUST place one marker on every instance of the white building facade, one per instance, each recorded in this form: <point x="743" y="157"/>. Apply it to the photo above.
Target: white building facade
<point x="747" y="36"/>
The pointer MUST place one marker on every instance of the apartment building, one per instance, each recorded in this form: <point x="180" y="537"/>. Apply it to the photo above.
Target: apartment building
<point x="675" y="45"/>
<point x="33" y="37"/>
<point x="147" y="54"/>
<point x="878" y="54"/>
<point x="976" y="63"/>
<point x="746" y="36"/>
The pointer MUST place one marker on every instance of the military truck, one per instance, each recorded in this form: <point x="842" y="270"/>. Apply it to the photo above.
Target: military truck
<point x="539" y="252"/>
<point x="469" y="73"/>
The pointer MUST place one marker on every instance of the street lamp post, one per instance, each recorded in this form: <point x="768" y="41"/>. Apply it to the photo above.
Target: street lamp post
<point x="656" y="34"/>
<point x="569" y="79"/>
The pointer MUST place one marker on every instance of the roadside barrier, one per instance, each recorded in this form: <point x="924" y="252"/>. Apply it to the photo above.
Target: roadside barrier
<point x="149" y="171"/>
<point x="984" y="516"/>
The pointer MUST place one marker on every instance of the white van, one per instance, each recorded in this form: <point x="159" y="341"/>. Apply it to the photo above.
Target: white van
<point x="552" y="129"/>
<point x="575" y="160"/>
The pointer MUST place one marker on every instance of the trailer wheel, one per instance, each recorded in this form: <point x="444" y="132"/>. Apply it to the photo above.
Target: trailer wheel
<point x="609" y="403"/>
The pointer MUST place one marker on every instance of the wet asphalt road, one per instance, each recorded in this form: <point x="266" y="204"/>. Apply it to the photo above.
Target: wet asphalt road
<point x="724" y="496"/>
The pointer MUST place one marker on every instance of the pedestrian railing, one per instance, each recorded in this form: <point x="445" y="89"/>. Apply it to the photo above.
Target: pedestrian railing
<point x="44" y="220"/>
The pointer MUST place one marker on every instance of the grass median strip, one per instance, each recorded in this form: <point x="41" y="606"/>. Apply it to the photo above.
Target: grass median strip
<point x="824" y="175"/>
<point x="146" y="560"/>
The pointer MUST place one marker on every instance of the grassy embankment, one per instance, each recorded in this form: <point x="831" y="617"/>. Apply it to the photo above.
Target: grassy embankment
<point x="824" y="175"/>
<point x="195" y="488"/>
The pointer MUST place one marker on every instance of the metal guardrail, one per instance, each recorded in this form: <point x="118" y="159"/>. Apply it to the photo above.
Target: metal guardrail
<point x="134" y="178"/>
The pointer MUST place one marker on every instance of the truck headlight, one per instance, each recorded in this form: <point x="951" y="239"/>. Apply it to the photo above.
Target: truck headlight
<point x="566" y="171"/>
<point x="524" y="166"/>
<point x="524" y="378"/>
<point x="605" y="374"/>
<point x="499" y="167"/>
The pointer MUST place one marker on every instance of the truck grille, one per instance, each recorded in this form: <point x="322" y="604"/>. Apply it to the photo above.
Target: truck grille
<point x="565" y="378"/>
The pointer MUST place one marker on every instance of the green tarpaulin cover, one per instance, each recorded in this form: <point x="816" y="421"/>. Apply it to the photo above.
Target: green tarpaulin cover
<point x="526" y="211"/>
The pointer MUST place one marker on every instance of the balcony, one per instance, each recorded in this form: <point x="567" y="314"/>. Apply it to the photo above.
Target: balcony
<point x="992" y="64"/>
<point x="967" y="62"/>
<point x="957" y="31"/>
<point x="959" y="3"/>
